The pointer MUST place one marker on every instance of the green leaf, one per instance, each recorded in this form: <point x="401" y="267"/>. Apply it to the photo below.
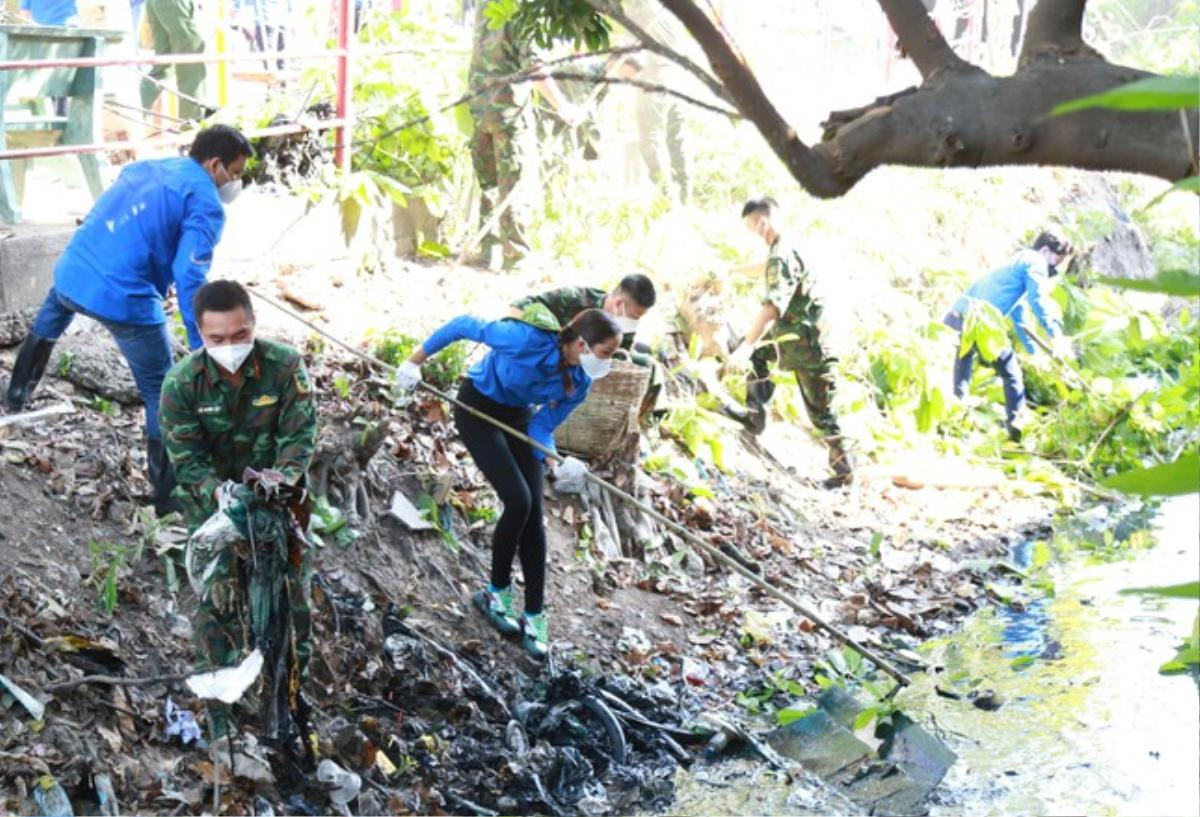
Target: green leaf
<point x="1021" y="661"/>
<point x="791" y="714"/>
<point x="1167" y="282"/>
<point x="434" y="250"/>
<point x="1188" y="590"/>
<point x="1189" y="185"/>
<point x="352" y="212"/>
<point x="1173" y="479"/>
<point x="1150" y="94"/>
<point x="865" y="717"/>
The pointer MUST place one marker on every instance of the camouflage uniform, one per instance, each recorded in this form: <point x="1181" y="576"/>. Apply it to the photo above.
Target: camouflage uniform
<point x="794" y="342"/>
<point x="660" y="116"/>
<point x="501" y="116"/>
<point x="214" y="430"/>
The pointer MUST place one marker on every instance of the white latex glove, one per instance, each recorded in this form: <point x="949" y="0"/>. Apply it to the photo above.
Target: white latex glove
<point x="1061" y="348"/>
<point x="408" y="376"/>
<point x="570" y="477"/>
<point x="225" y="496"/>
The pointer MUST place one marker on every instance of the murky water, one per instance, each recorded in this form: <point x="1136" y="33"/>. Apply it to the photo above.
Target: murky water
<point x="1087" y="724"/>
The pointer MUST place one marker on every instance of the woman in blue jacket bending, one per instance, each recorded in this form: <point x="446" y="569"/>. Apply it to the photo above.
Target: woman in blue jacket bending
<point x="534" y="376"/>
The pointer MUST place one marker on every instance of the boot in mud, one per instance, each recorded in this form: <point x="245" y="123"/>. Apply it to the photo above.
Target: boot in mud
<point x="497" y="607"/>
<point x="535" y="635"/>
<point x="27" y="371"/>
<point x="161" y="475"/>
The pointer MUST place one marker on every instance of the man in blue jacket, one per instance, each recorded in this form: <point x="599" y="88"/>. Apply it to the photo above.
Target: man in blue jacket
<point x="156" y="226"/>
<point x="1025" y="279"/>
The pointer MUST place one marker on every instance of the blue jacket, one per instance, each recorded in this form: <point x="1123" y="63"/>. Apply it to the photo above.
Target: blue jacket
<point x="1025" y="278"/>
<point x="157" y="225"/>
<point x="51" y="12"/>
<point x="520" y="370"/>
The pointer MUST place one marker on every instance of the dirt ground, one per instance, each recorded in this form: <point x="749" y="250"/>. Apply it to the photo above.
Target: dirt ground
<point x="893" y="565"/>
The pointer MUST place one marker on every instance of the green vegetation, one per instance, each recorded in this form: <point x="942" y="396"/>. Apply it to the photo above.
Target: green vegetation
<point x="443" y="370"/>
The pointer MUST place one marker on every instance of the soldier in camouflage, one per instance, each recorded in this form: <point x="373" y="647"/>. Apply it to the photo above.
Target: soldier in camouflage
<point x="626" y="303"/>
<point x="501" y="113"/>
<point x="794" y="341"/>
<point x="238" y="403"/>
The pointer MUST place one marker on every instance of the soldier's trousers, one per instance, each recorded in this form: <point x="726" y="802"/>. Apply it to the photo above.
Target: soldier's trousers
<point x="496" y="155"/>
<point x="661" y="141"/>
<point x="222" y="622"/>
<point x="173" y="27"/>
<point x="797" y="349"/>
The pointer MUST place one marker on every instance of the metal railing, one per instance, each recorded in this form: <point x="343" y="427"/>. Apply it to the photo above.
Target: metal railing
<point x="342" y="122"/>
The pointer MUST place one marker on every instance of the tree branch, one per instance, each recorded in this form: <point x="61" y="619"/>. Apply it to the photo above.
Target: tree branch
<point x="650" y="44"/>
<point x="1055" y="31"/>
<point x="649" y="87"/>
<point x="812" y="171"/>
<point x="921" y="39"/>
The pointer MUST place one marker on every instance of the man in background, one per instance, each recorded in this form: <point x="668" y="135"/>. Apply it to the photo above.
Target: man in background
<point x="789" y="323"/>
<point x="173" y="27"/>
<point x="501" y="113"/>
<point x="1027" y="279"/>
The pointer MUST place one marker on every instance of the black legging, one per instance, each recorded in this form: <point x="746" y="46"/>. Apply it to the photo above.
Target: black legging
<point x="516" y="473"/>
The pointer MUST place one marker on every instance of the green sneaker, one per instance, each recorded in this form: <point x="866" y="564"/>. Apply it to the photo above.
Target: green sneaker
<point x="535" y="636"/>
<point x="497" y="608"/>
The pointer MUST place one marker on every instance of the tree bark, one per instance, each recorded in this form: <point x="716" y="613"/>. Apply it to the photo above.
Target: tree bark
<point x="914" y="29"/>
<point x="1055" y="31"/>
<point x="975" y="120"/>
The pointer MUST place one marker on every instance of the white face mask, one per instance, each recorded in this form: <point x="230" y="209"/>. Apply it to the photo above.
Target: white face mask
<point x="230" y="357"/>
<point x="595" y="367"/>
<point x="231" y="189"/>
<point x="624" y="321"/>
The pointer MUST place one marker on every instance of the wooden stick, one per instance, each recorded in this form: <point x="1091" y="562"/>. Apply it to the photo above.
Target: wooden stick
<point x="678" y="530"/>
<point x="30" y="416"/>
<point x="114" y="680"/>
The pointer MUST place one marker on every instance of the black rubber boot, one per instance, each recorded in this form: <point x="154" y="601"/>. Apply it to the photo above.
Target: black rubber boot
<point x="27" y="371"/>
<point x="162" y="478"/>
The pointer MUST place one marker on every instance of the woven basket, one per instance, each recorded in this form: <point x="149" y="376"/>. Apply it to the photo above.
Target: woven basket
<point x="608" y="414"/>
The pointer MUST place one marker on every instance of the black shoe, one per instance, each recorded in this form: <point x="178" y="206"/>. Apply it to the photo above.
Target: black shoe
<point x="27" y="371"/>
<point x="754" y="418"/>
<point x="837" y="481"/>
<point x="162" y="478"/>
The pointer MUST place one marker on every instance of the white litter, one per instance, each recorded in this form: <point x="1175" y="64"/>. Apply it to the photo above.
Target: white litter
<point x="229" y="684"/>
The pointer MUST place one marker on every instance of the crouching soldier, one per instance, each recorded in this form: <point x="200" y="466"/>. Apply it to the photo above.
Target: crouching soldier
<point x="238" y="403"/>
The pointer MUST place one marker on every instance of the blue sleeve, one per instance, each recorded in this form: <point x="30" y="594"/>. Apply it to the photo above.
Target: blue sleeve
<point x="1037" y="292"/>
<point x="502" y="335"/>
<point x="541" y="427"/>
<point x="1017" y="315"/>
<point x="203" y="221"/>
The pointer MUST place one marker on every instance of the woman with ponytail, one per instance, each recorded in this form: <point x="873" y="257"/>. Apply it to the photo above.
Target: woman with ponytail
<point x="534" y="375"/>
